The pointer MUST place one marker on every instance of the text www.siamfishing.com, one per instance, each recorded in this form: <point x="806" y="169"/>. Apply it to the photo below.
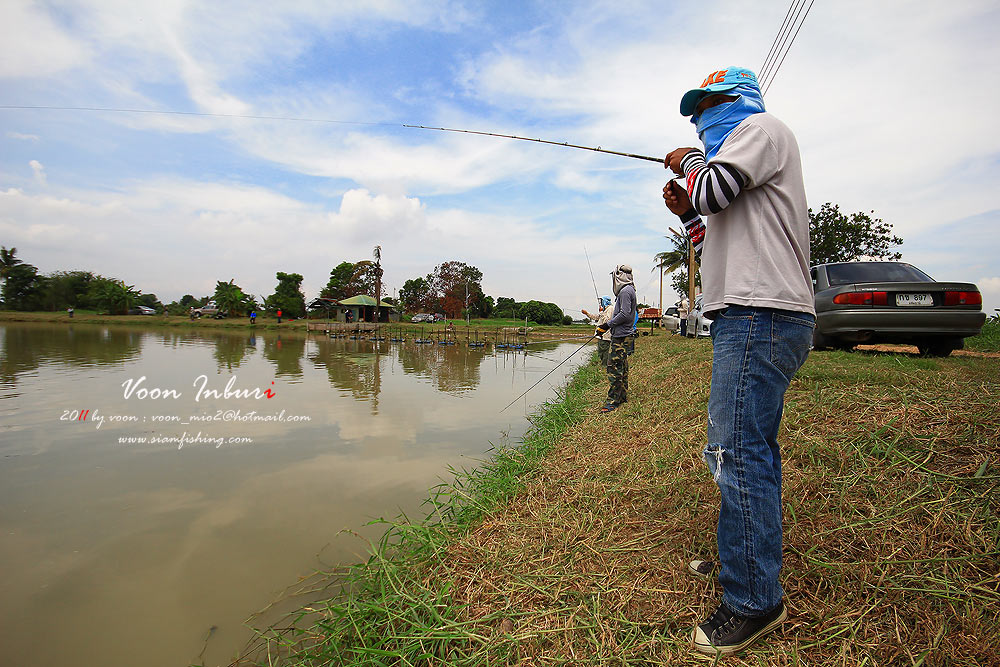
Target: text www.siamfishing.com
<point x="184" y="439"/>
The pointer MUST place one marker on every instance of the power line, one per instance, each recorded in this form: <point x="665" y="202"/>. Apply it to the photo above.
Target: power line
<point x="767" y="78"/>
<point x="774" y="44"/>
<point x="794" y="11"/>
<point x="771" y="78"/>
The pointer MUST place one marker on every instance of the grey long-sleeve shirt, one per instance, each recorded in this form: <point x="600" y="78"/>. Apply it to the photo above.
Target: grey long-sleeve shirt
<point x="621" y="322"/>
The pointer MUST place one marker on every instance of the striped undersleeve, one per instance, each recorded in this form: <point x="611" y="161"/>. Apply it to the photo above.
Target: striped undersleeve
<point x="711" y="186"/>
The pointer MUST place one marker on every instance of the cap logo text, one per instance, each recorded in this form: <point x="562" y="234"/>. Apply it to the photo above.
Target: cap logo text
<point x="714" y="77"/>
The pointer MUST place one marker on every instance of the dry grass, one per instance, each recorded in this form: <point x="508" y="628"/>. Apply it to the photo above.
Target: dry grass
<point x="892" y="542"/>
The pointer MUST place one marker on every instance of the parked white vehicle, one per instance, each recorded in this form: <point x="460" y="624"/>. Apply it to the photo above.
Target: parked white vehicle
<point x="671" y="320"/>
<point x="697" y="324"/>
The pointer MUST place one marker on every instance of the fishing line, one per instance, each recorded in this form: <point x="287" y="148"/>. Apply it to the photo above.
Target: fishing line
<point x="549" y="373"/>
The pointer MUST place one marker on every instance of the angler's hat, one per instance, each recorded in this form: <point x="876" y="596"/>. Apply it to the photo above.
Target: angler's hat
<point x="720" y="81"/>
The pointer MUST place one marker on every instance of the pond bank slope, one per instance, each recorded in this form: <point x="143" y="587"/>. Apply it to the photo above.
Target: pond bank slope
<point x="571" y="548"/>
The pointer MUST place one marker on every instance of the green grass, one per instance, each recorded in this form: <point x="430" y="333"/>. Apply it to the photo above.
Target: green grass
<point x="570" y="549"/>
<point x="393" y="614"/>
<point x="988" y="339"/>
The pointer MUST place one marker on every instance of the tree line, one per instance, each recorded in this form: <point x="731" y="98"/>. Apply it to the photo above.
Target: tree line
<point x="24" y="288"/>
<point x="453" y="288"/>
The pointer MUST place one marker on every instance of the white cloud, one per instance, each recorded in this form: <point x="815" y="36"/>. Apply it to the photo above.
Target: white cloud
<point x="32" y="45"/>
<point x="990" y="288"/>
<point x="39" y="170"/>
<point x="23" y="137"/>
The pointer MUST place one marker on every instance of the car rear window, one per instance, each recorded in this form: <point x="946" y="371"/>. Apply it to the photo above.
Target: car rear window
<point x="875" y="272"/>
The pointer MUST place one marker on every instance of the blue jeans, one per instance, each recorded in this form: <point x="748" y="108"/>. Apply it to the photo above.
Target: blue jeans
<point x="756" y="353"/>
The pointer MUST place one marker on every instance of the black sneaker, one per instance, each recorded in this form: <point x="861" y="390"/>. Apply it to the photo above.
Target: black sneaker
<point x="702" y="568"/>
<point x="726" y="632"/>
<point x="609" y="407"/>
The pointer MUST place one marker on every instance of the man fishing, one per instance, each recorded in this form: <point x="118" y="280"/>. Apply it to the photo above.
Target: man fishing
<point x="620" y="326"/>
<point x="603" y="340"/>
<point x="754" y="244"/>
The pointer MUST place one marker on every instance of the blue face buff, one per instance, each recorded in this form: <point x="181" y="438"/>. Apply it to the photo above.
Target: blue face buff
<point x="715" y="124"/>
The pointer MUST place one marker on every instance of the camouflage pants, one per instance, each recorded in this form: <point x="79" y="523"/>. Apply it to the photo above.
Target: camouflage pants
<point x="602" y="351"/>
<point x="630" y="343"/>
<point x="618" y="371"/>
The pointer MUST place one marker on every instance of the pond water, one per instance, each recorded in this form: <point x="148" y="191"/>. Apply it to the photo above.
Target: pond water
<point x="156" y="484"/>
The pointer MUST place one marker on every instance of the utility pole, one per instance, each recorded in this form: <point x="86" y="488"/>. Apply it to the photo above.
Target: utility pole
<point x="661" y="289"/>
<point x="690" y="274"/>
<point x="378" y="279"/>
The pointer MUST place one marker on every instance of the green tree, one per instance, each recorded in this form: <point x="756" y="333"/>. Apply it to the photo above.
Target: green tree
<point x="23" y="288"/>
<point x="67" y="288"/>
<point x="539" y="312"/>
<point x="679" y="281"/>
<point x="366" y="274"/>
<point x="288" y="297"/>
<point x="112" y="295"/>
<point x="676" y="257"/>
<point x="8" y="261"/>
<point x="229" y="297"/>
<point x="340" y="282"/>
<point x="483" y="306"/>
<point x="415" y="295"/>
<point x="506" y="307"/>
<point x="836" y="237"/>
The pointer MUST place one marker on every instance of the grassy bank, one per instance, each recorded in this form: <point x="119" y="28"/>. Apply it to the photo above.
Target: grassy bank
<point x="571" y="550"/>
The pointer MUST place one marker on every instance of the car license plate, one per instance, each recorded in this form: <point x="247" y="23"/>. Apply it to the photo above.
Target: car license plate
<point x="914" y="300"/>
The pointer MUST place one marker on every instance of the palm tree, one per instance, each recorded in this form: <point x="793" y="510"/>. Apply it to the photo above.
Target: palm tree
<point x="676" y="258"/>
<point x="8" y="261"/>
<point x="229" y="297"/>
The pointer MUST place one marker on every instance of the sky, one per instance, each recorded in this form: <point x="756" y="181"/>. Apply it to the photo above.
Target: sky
<point x="891" y="102"/>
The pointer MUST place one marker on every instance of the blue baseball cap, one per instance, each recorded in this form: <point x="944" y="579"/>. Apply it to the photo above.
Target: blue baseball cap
<point x="720" y="81"/>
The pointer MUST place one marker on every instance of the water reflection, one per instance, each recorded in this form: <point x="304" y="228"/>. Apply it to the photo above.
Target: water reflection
<point x="285" y="352"/>
<point x="137" y="549"/>
<point x="230" y="350"/>
<point x="26" y="347"/>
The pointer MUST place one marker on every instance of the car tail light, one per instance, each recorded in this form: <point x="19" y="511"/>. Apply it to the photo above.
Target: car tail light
<point x="963" y="299"/>
<point x="862" y="298"/>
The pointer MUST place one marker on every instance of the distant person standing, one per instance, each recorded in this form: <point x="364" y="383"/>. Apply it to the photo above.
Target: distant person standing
<point x="682" y="314"/>
<point x="620" y="326"/>
<point x="758" y="294"/>
<point x="253" y="317"/>
<point x="279" y="316"/>
<point x="603" y="339"/>
<point x="69" y="311"/>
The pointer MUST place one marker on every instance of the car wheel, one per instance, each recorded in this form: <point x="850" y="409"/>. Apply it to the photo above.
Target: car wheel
<point x="940" y="348"/>
<point x="820" y="342"/>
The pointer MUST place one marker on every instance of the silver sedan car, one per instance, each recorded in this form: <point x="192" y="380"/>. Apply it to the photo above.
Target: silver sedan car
<point x="893" y="302"/>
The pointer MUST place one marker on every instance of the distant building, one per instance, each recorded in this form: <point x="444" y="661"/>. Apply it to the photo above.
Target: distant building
<point x="363" y="309"/>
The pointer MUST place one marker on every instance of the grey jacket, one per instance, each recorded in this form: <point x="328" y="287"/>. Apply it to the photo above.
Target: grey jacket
<point x="621" y="322"/>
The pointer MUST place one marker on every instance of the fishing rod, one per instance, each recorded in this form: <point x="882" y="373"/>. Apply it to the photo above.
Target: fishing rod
<point x="557" y="340"/>
<point x="549" y="373"/>
<point x="593" y="280"/>
<point x="658" y="160"/>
